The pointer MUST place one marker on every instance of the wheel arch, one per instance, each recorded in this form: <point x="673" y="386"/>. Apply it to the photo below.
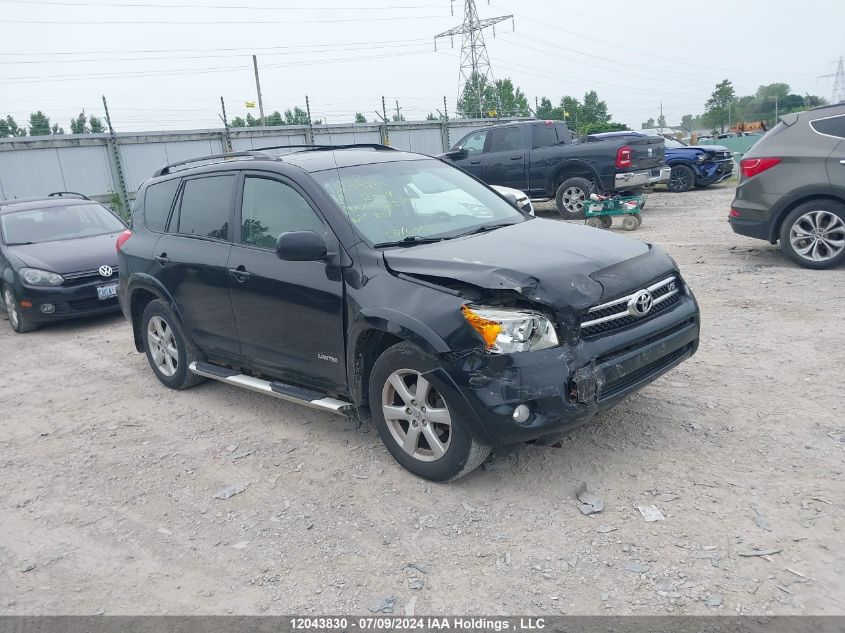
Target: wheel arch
<point x="573" y="169"/>
<point x="791" y="205"/>
<point x="376" y="331"/>
<point x="141" y="290"/>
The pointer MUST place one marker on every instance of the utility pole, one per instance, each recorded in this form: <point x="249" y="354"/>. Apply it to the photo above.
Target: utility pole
<point x="310" y="139"/>
<point x="398" y="111"/>
<point x="117" y="166"/>
<point x="258" y="89"/>
<point x="474" y="67"/>
<point x="227" y="137"/>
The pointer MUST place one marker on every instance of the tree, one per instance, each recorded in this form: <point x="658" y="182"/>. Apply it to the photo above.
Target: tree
<point x="55" y="129"/>
<point x="717" y="106"/>
<point x="397" y="117"/>
<point x="596" y="128"/>
<point x="479" y="98"/>
<point x="297" y="116"/>
<point x="95" y="125"/>
<point x="360" y="118"/>
<point x="430" y="117"/>
<point x="510" y="100"/>
<point x="661" y="121"/>
<point x="251" y="121"/>
<point x="4" y="129"/>
<point x="274" y="119"/>
<point x="77" y="125"/>
<point x="545" y="110"/>
<point x="648" y="124"/>
<point x="39" y="124"/>
<point x="14" y="129"/>
<point x="237" y="122"/>
<point x="593" y="110"/>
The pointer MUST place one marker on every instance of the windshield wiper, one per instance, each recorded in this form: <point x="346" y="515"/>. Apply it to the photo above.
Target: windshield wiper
<point x="484" y="228"/>
<point x="411" y="240"/>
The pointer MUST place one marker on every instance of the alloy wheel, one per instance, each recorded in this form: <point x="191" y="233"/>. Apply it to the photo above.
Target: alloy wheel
<point x="679" y="179"/>
<point x="162" y="346"/>
<point x="573" y="199"/>
<point x="11" y="307"/>
<point x="818" y="235"/>
<point x="416" y="415"/>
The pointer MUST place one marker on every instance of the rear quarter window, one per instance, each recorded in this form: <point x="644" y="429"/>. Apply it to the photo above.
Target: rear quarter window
<point x="158" y="200"/>
<point x="830" y="126"/>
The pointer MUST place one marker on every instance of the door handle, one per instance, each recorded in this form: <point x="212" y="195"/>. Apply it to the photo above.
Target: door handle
<point x="240" y="274"/>
<point x="475" y="162"/>
<point x="516" y="157"/>
<point x="162" y="259"/>
<point x="842" y="162"/>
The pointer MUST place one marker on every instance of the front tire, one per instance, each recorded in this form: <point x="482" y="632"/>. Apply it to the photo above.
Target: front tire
<point x="571" y="197"/>
<point x="681" y="179"/>
<point x="414" y="420"/>
<point x="17" y="319"/>
<point x="168" y="350"/>
<point x="813" y="234"/>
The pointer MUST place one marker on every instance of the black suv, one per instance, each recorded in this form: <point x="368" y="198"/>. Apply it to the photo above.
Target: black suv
<point x="361" y="278"/>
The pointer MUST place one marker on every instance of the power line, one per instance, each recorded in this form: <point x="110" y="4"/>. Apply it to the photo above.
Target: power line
<point x="150" y="5"/>
<point x="220" y="22"/>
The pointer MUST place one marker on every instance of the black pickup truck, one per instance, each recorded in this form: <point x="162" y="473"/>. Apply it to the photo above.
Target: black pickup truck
<point x="542" y="159"/>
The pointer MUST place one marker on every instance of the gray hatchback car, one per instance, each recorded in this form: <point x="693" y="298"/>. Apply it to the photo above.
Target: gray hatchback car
<point x="792" y="187"/>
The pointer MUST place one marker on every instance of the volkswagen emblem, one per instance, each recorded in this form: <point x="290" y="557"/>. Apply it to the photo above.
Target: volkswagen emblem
<point x="106" y="271"/>
<point x="640" y="304"/>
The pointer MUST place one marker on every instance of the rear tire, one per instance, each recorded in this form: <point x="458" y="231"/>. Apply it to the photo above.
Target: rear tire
<point x="813" y="234"/>
<point x="168" y="350"/>
<point x="629" y="223"/>
<point x="429" y="441"/>
<point x="572" y="196"/>
<point x="17" y="319"/>
<point x="681" y="179"/>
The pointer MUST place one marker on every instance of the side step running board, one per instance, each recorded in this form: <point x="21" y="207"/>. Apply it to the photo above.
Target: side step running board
<point x="299" y="395"/>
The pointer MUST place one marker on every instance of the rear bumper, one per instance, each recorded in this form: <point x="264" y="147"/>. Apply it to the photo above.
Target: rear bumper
<point x="754" y="218"/>
<point x="67" y="302"/>
<point x="630" y="179"/>
<point x="565" y="386"/>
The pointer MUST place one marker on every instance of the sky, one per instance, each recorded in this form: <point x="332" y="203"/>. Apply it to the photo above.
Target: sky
<point x="164" y="64"/>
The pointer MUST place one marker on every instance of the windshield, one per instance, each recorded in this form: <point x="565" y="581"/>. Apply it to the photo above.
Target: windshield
<point x="58" y="223"/>
<point x="672" y="143"/>
<point x="425" y="199"/>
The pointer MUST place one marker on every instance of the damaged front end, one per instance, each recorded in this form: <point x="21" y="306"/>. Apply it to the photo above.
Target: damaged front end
<point x="510" y="394"/>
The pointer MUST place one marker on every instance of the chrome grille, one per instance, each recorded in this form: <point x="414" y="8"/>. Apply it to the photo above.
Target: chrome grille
<point x="88" y="276"/>
<point x="615" y="315"/>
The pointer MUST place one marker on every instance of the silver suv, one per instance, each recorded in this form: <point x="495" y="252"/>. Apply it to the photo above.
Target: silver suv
<point x="792" y="187"/>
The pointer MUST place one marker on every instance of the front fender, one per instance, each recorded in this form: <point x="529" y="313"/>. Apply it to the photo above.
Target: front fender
<point x="399" y="324"/>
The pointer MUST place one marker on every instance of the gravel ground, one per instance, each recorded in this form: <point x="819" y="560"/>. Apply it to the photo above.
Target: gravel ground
<point x="109" y="478"/>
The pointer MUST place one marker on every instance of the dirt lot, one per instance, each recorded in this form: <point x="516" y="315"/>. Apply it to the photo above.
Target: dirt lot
<point x="108" y="478"/>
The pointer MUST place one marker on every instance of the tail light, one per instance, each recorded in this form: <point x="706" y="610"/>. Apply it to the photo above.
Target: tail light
<point x="623" y="157"/>
<point x="753" y="166"/>
<point x="121" y="239"/>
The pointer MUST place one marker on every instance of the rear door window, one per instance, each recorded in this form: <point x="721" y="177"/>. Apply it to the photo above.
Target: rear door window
<point x="506" y="139"/>
<point x="831" y="126"/>
<point x="206" y="207"/>
<point x="544" y="136"/>
<point x="158" y="200"/>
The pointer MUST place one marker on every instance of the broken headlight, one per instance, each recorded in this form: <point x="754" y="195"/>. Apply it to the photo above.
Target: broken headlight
<point x="508" y="331"/>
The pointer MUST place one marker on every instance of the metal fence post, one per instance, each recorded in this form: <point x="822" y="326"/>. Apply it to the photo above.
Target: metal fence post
<point x="116" y="165"/>
<point x="444" y="129"/>
<point x="309" y="134"/>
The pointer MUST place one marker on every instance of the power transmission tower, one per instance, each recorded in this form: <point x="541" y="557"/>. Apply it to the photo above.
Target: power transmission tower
<point x="475" y="67"/>
<point x="838" y="82"/>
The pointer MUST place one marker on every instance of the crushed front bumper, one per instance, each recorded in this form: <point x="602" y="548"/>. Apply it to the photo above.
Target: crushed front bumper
<point x="567" y="385"/>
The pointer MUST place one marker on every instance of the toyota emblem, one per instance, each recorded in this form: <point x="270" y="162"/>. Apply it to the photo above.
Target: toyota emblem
<point x="106" y="271"/>
<point x="640" y="304"/>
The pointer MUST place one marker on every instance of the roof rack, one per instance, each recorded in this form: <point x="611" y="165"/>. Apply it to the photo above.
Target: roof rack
<point x="376" y="146"/>
<point x="67" y="194"/>
<point x="213" y="158"/>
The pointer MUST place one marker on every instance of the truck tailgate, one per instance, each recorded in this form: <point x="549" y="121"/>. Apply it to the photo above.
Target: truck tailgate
<point x="646" y="152"/>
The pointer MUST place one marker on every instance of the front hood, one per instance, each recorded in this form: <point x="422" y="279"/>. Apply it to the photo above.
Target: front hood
<point x="69" y="256"/>
<point x="562" y="265"/>
<point x="709" y="148"/>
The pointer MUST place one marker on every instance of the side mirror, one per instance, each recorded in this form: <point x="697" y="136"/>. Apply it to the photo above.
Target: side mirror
<point x="511" y="197"/>
<point x="457" y="154"/>
<point x="301" y="246"/>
